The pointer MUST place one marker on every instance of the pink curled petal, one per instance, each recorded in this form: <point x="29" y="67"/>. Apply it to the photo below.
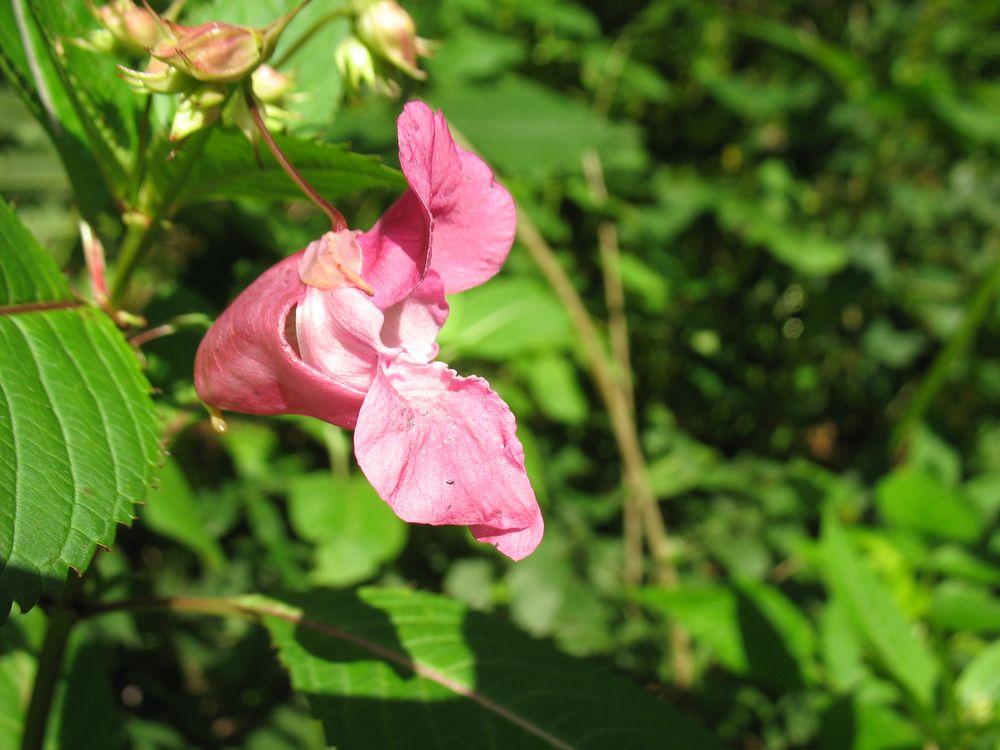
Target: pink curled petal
<point x="338" y="334"/>
<point x="247" y="363"/>
<point x="473" y="217"/>
<point x="395" y="250"/>
<point x="441" y="449"/>
<point x="516" y="544"/>
<point x="413" y="323"/>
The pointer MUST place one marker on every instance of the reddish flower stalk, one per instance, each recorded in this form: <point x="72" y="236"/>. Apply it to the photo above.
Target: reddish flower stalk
<point x="337" y="220"/>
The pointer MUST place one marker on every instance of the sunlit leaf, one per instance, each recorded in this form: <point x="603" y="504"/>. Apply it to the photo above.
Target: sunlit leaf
<point x="384" y="668"/>
<point x="876" y="615"/>
<point x="78" y="437"/>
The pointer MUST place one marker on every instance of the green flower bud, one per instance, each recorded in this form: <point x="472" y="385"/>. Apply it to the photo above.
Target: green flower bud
<point x="355" y="63"/>
<point x="389" y="32"/>
<point x="198" y="110"/>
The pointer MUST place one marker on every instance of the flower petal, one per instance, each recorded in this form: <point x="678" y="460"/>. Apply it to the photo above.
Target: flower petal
<point x="441" y="449"/>
<point x="395" y="250"/>
<point x="247" y="363"/>
<point x="413" y="323"/>
<point x="473" y="217"/>
<point x="468" y="217"/>
<point x="338" y="334"/>
<point x="515" y="543"/>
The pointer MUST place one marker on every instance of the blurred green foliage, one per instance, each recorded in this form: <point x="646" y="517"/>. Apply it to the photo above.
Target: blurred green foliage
<point x="807" y="202"/>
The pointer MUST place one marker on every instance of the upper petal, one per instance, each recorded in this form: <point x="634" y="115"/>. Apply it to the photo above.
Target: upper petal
<point x="247" y="362"/>
<point x="473" y="217"/>
<point x="454" y="217"/>
<point x="441" y="449"/>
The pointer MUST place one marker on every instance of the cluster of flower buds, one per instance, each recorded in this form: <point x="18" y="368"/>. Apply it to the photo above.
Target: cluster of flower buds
<point x="202" y="63"/>
<point x="385" y="38"/>
<point x="127" y="30"/>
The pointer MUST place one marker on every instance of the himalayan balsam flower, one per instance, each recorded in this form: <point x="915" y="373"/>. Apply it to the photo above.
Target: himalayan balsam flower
<point x="305" y="339"/>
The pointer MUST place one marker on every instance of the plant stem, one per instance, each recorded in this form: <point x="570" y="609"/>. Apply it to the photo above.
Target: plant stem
<point x="937" y="376"/>
<point x="623" y="427"/>
<point x="614" y="296"/>
<point x="43" y="690"/>
<point x="139" y="237"/>
<point x="309" y="33"/>
<point x="336" y="218"/>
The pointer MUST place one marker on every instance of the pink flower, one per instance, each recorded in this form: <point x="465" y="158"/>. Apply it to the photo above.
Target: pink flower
<point x="305" y="339"/>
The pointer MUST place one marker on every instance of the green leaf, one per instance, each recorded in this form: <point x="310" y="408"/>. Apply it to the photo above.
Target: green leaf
<point x="851" y="724"/>
<point x="915" y="500"/>
<point x="805" y="251"/>
<point x="173" y="512"/>
<point x="536" y="131"/>
<point x="841" y="646"/>
<point x="354" y="530"/>
<point x="554" y="383"/>
<point x="978" y="687"/>
<point x="28" y="274"/>
<point x="751" y="627"/>
<point x="907" y="658"/>
<point x="227" y="168"/>
<point x="965" y="607"/>
<point x="392" y="668"/>
<point x="78" y="436"/>
<point x="502" y="319"/>
<point x="87" y="111"/>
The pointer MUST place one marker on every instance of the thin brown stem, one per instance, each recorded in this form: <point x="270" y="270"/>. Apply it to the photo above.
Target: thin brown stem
<point x="614" y="295"/>
<point x="337" y="220"/>
<point x="623" y="427"/>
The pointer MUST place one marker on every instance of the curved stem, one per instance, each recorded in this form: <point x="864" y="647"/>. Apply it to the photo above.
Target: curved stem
<point x="49" y="667"/>
<point x="309" y="33"/>
<point x="336" y="218"/>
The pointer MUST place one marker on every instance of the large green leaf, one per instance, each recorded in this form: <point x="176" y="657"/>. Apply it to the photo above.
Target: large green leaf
<point x="75" y="95"/>
<point x="228" y="168"/>
<point x="78" y="436"/>
<point x="398" y="668"/>
<point x="884" y="626"/>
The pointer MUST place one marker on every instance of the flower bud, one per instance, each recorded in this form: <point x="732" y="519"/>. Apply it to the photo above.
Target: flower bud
<point x="218" y="52"/>
<point x="269" y="85"/>
<point x="389" y="32"/>
<point x="355" y="63"/>
<point x="212" y="52"/>
<point x="158" y="78"/>
<point x="134" y="28"/>
<point x="198" y="110"/>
